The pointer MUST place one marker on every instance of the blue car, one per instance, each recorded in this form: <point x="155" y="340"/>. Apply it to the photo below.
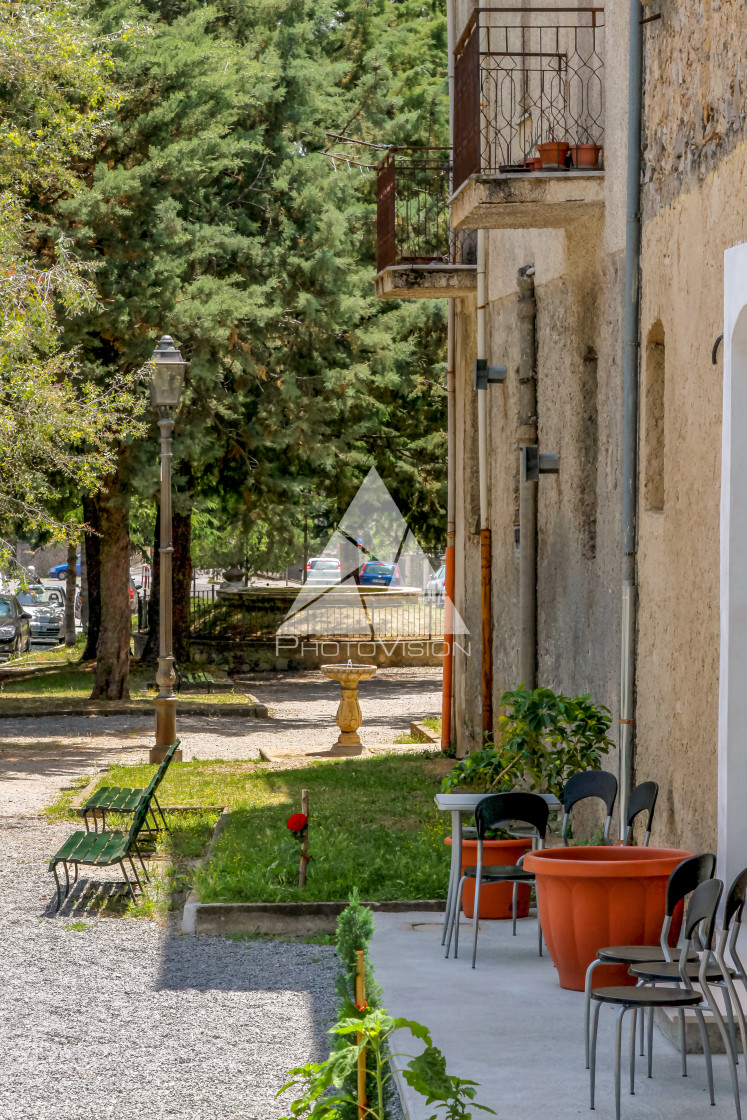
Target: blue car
<point x="60" y="571"/>
<point x="377" y="573"/>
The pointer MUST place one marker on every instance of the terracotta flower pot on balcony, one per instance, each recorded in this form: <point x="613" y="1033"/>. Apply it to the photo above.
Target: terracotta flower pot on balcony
<point x="592" y="897"/>
<point x="495" y="898"/>
<point x="552" y="155"/>
<point x="586" y="155"/>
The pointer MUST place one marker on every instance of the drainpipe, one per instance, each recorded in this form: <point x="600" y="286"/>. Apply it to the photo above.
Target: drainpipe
<point x="448" y="667"/>
<point x="448" y="671"/>
<point x="630" y="415"/>
<point x="528" y="489"/>
<point x="486" y="607"/>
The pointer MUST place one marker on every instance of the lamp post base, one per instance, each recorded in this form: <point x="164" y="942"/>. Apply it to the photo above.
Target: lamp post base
<point x="165" y="729"/>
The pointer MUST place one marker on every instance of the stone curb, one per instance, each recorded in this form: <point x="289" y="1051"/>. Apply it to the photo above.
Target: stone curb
<point x="422" y="733"/>
<point x="253" y="711"/>
<point x="296" y="919"/>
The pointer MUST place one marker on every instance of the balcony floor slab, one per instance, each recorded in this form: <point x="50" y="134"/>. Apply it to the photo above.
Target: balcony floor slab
<point x="537" y="200"/>
<point x="426" y="281"/>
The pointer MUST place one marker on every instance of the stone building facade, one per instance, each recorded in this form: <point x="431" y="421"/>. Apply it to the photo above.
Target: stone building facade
<point x="571" y="230"/>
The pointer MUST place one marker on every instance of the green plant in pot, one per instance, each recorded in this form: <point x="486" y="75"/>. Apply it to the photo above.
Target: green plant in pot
<point x="542" y="738"/>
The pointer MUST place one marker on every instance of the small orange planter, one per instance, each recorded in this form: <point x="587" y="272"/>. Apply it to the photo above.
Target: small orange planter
<point x="552" y="155"/>
<point x="592" y="897"/>
<point x="495" y="898"/>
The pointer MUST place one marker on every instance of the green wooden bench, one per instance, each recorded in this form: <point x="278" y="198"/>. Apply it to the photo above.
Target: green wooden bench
<point x="123" y="799"/>
<point x="198" y="681"/>
<point x="103" y="849"/>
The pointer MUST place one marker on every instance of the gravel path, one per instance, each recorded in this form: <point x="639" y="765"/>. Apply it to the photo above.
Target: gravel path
<point x="127" y="1019"/>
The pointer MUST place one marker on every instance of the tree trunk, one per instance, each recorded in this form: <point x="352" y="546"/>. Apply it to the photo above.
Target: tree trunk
<point x="181" y="582"/>
<point x="113" y="650"/>
<point x="71" y="584"/>
<point x="150" y="650"/>
<point x="92" y="592"/>
<point x="83" y="587"/>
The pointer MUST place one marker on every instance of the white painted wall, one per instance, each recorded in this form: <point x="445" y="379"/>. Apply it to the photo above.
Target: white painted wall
<point x="732" y="731"/>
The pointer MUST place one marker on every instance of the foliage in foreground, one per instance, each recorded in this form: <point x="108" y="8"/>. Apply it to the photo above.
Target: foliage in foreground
<point x="323" y="1084"/>
<point x="541" y="740"/>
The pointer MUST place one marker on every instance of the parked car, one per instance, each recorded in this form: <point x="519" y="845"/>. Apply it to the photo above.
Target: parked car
<point x="15" y="632"/>
<point x="60" y="571"/>
<point x="435" y="588"/>
<point x="379" y="573"/>
<point x="46" y="608"/>
<point x="323" y="570"/>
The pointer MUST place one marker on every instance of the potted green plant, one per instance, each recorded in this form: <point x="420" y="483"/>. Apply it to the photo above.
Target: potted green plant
<point x="541" y="738"/>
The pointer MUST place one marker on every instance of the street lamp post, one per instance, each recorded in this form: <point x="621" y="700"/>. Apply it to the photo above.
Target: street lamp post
<point x="165" y="387"/>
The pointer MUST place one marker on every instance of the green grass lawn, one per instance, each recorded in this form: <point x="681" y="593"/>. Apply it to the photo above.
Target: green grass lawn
<point x="69" y="680"/>
<point x="374" y="826"/>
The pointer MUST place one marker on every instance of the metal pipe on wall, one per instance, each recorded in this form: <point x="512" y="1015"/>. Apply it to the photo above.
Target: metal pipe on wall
<point x="528" y="490"/>
<point x="630" y="412"/>
<point x="486" y="606"/>
<point x="448" y="667"/>
<point x="448" y="670"/>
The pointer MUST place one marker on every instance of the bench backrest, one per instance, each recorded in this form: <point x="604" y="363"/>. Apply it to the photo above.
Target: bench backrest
<point x="161" y="771"/>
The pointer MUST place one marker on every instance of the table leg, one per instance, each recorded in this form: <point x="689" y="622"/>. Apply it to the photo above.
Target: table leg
<point x="454" y="872"/>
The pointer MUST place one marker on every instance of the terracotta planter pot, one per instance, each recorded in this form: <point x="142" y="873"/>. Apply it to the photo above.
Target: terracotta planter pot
<point x="533" y="164"/>
<point x="495" y="898"/>
<point x="552" y="155"/>
<point x="592" y="897"/>
<point x="585" y="155"/>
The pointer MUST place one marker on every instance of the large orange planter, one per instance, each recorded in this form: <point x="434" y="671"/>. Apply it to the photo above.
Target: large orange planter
<point x="495" y="898"/>
<point x="592" y="897"/>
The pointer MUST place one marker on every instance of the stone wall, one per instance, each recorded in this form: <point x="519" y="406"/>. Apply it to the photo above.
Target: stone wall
<point x="695" y="95"/>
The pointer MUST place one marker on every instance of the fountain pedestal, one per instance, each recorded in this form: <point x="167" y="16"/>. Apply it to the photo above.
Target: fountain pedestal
<point x="349" y="716"/>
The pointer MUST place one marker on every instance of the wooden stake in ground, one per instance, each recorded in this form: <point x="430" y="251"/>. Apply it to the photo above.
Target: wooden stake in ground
<point x="305" y="841"/>
<point x="360" y="1002"/>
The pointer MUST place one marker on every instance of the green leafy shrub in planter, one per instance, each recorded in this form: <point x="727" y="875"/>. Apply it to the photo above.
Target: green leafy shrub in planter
<point x="542" y="739"/>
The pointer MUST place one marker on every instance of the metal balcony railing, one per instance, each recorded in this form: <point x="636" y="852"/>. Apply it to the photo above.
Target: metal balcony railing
<point x="524" y="77"/>
<point x="412" y="210"/>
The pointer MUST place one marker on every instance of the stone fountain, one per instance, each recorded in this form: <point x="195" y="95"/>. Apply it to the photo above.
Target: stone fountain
<point x="349" y="716"/>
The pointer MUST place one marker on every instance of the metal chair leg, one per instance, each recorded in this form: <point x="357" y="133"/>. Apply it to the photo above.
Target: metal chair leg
<point x="727" y="1045"/>
<point x="706" y="1052"/>
<point x="450" y="897"/>
<point x="592" y="1063"/>
<point x="160" y="810"/>
<point x="513" y="907"/>
<point x="730" y="1020"/>
<point x="587" y="1008"/>
<point x="127" y="881"/>
<point x="737" y="1005"/>
<point x="134" y="872"/>
<point x="650" y="1041"/>
<point x="633" y="1030"/>
<point x="683" y="1042"/>
<point x="455" y="923"/>
<point x="539" y="934"/>
<point x="476" y="913"/>
<point x="618" y="1059"/>
<point x="59" y="889"/>
<point x="67" y="878"/>
<point x="642" y="1026"/>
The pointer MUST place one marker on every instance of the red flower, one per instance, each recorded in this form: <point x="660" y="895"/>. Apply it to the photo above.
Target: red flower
<point x="297" y="822"/>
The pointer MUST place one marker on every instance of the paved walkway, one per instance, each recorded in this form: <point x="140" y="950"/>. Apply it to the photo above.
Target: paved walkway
<point x="509" y="1026"/>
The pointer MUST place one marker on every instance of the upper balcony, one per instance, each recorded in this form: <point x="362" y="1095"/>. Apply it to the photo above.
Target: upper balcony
<point x="419" y="255"/>
<point x="529" y="109"/>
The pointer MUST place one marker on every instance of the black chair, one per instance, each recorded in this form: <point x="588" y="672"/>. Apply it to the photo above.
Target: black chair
<point x="493" y="811"/>
<point x="589" y="783"/>
<point x="685" y="878"/>
<point x="642" y="800"/>
<point x="701" y="912"/>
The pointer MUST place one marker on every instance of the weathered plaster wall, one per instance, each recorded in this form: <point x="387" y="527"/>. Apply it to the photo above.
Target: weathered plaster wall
<point x="677" y="679"/>
<point x="695" y="95"/>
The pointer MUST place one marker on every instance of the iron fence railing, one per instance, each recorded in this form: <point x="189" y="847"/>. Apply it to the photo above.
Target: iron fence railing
<point x="523" y="77"/>
<point x="412" y="210"/>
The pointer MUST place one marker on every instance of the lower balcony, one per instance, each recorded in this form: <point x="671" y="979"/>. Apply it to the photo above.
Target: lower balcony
<point x="419" y="255"/>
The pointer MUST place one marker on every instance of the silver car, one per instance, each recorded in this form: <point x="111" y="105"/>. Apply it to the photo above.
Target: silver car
<point x="323" y="570"/>
<point x="46" y="606"/>
<point x="435" y="589"/>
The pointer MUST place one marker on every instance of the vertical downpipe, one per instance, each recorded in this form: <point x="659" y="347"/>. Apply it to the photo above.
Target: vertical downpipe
<point x="448" y="667"/>
<point x="630" y="414"/>
<point x="486" y="607"/>
<point x="528" y="491"/>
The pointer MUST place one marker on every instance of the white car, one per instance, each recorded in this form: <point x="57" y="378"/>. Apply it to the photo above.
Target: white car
<point x="435" y="588"/>
<point x="46" y="606"/>
<point x="323" y="570"/>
